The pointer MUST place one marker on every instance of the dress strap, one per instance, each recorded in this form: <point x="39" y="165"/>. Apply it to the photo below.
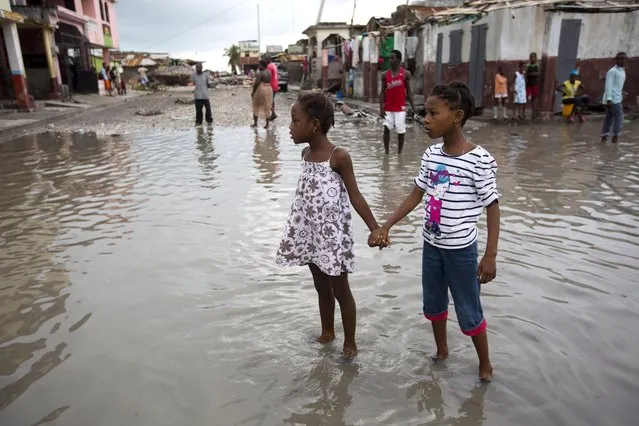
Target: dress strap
<point x="329" y="158"/>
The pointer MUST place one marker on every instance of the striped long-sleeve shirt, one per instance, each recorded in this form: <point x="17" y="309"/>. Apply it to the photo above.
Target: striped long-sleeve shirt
<point x="457" y="190"/>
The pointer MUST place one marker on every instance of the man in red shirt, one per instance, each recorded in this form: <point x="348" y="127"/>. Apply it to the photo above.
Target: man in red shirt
<point x="275" y="85"/>
<point x="392" y="100"/>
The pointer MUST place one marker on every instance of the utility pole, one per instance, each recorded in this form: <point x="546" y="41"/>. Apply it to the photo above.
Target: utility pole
<point x="353" y="17"/>
<point x="259" y="31"/>
<point x="321" y="9"/>
<point x="406" y="13"/>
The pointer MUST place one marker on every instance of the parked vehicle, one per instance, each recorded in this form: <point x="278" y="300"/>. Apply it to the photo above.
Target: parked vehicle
<point x="282" y="76"/>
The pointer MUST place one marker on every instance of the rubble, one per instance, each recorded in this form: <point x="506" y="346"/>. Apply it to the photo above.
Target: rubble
<point x="182" y="101"/>
<point x="148" y="113"/>
<point x="178" y="75"/>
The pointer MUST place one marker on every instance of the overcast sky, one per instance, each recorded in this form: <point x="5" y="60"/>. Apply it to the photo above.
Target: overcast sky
<point x="155" y="25"/>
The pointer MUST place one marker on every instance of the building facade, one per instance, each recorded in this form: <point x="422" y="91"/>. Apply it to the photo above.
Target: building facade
<point x="13" y="78"/>
<point x="249" y="54"/>
<point x="565" y="36"/>
<point x="60" y="41"/>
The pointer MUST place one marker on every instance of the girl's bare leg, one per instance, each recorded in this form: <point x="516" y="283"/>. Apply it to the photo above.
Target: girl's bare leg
<point x="326" y="304"/>
<point x="481" y="346"/>
<point x="441" y="340"/>
<point x="342" y="292"/>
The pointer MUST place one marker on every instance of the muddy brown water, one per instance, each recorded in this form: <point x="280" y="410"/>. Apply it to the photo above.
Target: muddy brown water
<point x="138" y="286"/>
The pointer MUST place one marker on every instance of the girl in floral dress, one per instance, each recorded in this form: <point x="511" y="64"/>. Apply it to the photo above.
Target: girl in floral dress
<point x="319" y="232"/>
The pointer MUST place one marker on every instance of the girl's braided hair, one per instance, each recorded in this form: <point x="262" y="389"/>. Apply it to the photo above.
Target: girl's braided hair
<point x="318" y="107"/>
<point x="457" y="96"/>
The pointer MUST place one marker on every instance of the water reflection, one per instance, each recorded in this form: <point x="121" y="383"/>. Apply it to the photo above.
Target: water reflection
<point x="58" y="191"/>
<point x="207" y="157"/>
<point x="266" y="155"/>
<point x="119" y="263"/>
<point x="328" y="385"/>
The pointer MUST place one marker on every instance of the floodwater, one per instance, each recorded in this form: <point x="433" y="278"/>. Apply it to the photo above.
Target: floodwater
<point x="138" y="286"/>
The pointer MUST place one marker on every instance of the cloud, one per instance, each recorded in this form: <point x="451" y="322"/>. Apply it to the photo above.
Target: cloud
<point x="172" y="26"/>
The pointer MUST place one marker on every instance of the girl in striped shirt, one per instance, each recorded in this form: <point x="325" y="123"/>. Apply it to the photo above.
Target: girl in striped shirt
<point x="458" y="178"/>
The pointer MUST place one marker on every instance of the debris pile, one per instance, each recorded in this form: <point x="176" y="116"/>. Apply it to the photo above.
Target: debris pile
<point x="178" y="75"/>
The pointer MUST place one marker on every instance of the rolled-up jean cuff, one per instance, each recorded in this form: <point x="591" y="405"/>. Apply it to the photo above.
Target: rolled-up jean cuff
<point x="477" y="330"/>
<point x="442" y="316"/>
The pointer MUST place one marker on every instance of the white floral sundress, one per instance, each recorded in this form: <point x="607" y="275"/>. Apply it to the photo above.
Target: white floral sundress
<point x="319" y="229"/>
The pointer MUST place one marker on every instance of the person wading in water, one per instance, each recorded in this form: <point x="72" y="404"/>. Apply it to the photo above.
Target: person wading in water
<point x="392" y="100"/>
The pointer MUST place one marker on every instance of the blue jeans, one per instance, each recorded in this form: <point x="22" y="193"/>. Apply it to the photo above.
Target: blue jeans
<point x="455" y="269"/>
<point x="614" y="118"/>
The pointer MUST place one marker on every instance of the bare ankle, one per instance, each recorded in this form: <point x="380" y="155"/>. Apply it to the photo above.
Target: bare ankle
<point x="350" y="349"/>
<point x="485" y="371"/>
<point x="326" y="337"/>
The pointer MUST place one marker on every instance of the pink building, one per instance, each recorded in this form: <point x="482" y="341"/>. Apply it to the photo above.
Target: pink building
<point x="58" y="42"/>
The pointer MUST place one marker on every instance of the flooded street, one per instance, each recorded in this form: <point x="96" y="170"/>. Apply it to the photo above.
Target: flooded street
<point x="139" y="286"/>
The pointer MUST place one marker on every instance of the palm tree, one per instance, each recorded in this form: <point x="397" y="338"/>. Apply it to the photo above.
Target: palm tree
<point x="233" y="53"/>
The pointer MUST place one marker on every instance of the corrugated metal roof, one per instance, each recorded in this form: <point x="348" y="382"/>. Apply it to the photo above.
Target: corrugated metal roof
<point x="138" y="61"/>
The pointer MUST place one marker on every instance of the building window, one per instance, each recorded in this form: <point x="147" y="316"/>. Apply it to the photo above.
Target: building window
<point x="106" y="12"/>
<point x="69" y="4"/>
<point x="455" y="56"/>
<point x="102" y="11"/>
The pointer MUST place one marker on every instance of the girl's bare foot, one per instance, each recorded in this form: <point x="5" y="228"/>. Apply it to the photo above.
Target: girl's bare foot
<point x="326" y="338"/>
<point x="441" y="355"/>
<point x="350" y="350"/>
<point x="486" y="373"/>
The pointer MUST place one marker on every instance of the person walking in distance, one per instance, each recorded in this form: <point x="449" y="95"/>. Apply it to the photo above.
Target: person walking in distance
<point x="613" y="95"/>
<point x="201" y="92"/>
<point x="262" y="95"/>
<point x="275" y="84"/>
<point x="392" y="100"/>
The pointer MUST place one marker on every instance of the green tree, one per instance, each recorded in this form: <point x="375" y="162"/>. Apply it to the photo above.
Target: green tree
<point x="233" y="53"/>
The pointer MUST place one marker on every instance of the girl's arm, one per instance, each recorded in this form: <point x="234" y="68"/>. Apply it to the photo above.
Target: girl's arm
<point x="342" y="163"/>
<point x="408" y="205"/>
<point x="487" y="270"/>
<point x="380" y="236"/>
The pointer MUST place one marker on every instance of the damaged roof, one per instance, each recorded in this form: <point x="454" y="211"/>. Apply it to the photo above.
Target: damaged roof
<point x="479" y="8"/>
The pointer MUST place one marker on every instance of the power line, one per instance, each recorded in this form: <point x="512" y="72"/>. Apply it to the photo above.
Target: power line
<point x="197" y="25"/>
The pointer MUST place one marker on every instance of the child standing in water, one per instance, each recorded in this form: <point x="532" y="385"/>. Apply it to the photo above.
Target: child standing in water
<point x="501" y="93"/>
<point x="458" y="178"/>
<point x="319" y="232"/>
<point x="519" y="90"/>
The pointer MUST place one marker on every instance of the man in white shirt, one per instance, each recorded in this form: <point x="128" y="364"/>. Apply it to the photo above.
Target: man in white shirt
<point x="612" y="98"/>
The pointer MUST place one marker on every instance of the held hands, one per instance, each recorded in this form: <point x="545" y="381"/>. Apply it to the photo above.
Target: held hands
<point x="487" y="270"/>
<point x="379" y="238"/>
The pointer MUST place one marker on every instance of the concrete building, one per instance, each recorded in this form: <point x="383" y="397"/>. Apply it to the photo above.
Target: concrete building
<point x="469" y="43"/>
<point x="325" y="50"/>
<point x="249" y="54"/>
<point x="13" y="83"/>
<point x="62" y="42"/>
